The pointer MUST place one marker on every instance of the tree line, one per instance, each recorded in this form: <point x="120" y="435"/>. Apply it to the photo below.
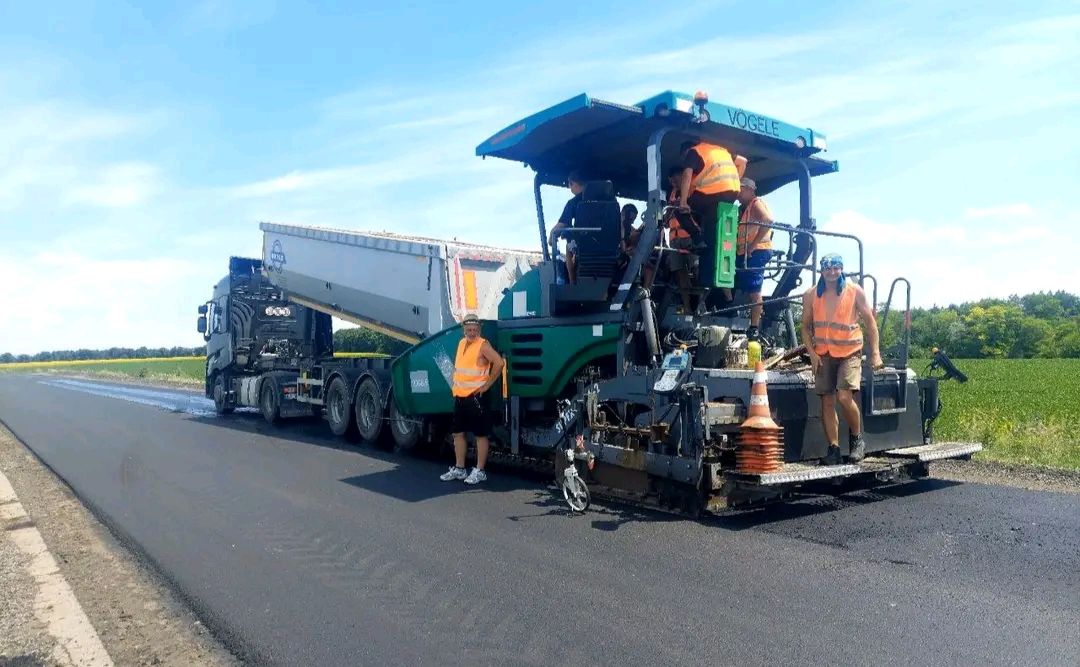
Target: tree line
<point x="1046" y="325"/>
<point x="1043" y="325"/>
<point x="110" y="353"/>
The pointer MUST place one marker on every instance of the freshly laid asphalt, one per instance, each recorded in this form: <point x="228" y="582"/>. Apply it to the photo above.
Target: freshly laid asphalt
<point x="298" y="548"/>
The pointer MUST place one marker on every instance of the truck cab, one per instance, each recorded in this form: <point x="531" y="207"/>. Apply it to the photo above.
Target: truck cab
<point x="251" y="328"/>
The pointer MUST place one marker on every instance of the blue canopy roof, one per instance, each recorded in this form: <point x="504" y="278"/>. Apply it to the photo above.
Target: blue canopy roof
<point x="608" y="141"/>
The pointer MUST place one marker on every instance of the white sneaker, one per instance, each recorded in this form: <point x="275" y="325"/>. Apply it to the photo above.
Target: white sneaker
<point x="476" y="476"/>
<point x="453" y="473"/>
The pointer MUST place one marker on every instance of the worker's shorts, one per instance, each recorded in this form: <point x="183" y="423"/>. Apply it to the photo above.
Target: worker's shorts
<point x="838" y="373"/>
<point x="751" y="278"/>
<point x="470" y="416"/>
<point x="681" y="261"/>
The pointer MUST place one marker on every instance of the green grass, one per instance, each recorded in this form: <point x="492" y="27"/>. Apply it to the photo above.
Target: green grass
<point x="1022" y="410"/>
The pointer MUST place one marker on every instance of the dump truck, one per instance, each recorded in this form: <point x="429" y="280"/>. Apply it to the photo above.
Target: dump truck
<point x="609" y="382"/>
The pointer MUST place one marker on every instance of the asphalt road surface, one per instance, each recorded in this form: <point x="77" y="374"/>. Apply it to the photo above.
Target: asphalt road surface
<point x="299" y="549"/>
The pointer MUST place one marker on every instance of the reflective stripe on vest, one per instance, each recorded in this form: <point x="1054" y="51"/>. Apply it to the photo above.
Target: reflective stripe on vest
<point x="470" y="367"/>
<point x="748" y="229"/>
<point x="837" y="335"/>
<point x="719" y="173"/>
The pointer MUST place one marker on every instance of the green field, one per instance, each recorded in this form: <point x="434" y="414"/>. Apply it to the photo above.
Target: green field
<point x="174" y="370"/>
<point x="1022" y="410"/>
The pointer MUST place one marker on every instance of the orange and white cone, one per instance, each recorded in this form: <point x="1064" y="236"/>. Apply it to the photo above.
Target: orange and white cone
<point x="760" y="449"/>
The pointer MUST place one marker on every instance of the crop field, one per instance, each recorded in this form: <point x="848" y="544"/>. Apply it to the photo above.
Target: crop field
<point x="187" y="371"/>
<point x="190" y="368"/>
<point x="1022" y="410"/>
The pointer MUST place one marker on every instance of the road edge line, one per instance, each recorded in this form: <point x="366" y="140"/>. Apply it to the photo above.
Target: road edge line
<point x="55" y="603"/>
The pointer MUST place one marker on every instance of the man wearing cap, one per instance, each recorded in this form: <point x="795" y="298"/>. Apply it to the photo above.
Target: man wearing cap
<point x="753" y="249"/>
<point x="476" y="367"/>
<point x="830" y="329"/>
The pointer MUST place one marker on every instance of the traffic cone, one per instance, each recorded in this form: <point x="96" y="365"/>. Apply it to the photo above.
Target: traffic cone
<point x="760" y="447"/>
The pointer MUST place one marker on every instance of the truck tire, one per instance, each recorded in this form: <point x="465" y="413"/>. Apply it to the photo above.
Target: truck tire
<point x="221" y="403"/>
<point x="339" y="409"/>
<point x="268" y="401"/>
<point x="369" y="411"/>
<point x="406" y="429"/>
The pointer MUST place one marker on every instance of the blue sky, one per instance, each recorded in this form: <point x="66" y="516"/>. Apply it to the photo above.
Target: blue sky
<point x="139" y="147"/>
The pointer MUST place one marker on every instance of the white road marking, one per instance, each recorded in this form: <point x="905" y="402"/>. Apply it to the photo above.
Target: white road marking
<point x="176" y="401"/>
<point x="55" y="605"/>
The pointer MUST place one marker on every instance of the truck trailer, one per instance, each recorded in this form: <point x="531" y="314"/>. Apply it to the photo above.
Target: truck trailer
<point x="609" y="380"/>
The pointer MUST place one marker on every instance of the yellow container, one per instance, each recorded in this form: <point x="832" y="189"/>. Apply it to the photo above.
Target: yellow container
<point x="753" y="354"/>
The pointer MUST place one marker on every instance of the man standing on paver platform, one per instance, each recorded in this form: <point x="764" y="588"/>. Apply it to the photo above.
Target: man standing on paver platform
<point x="831" y="332"/>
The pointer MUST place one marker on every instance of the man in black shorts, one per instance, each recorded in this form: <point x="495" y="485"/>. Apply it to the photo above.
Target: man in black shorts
<point x="477" y="366"/>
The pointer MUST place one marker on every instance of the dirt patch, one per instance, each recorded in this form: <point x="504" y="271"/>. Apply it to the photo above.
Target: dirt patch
<point x="1020" y="475"/>
<point x="138" y="618"/>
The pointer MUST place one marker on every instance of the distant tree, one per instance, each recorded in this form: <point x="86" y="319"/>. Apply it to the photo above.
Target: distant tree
<point x="359" y="339"/>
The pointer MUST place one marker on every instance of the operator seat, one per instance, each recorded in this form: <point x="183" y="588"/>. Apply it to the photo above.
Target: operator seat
<point x="599" y="221"/>
<point x="596" y="231"/>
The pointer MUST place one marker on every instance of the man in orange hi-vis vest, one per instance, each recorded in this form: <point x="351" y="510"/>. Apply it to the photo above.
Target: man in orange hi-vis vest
<point x="710" y="176"/>
<point x="753" y="250"/>
<point x="830" y="329"/>
<point x="477" y="366"/>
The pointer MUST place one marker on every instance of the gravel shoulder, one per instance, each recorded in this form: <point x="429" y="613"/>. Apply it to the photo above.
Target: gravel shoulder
<point x="1018" y="475"/>
<point x="139" y="620"/>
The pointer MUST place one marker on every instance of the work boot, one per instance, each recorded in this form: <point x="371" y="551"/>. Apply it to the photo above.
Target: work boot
<point x="832" y="456"/>
<point x="856" y="448"/>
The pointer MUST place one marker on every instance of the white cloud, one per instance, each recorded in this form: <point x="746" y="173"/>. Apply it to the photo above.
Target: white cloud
<point x="1012" y="211"/>
<point x="64" y="299"/>
<point x="118" y="186"/>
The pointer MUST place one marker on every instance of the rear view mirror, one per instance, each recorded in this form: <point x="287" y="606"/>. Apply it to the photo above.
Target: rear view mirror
<point x="201" y="325"/>
<point x="202" y="309"/>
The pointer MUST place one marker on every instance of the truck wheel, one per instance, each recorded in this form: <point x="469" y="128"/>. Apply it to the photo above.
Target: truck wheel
<point x="268" y="402"/>
<point x="369" y="411"/>
<point x="339" y="409"/>
<point x="221" y="403"/>
<point x="406" y="429"/>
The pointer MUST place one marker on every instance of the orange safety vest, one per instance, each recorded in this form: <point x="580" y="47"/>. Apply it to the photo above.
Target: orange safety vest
<point x="675" y="230"/>
<point x="718" y="175"/>
<point x="838" y="335"/>
<point x="470" y="368"/>
<point x="748" y="229"/>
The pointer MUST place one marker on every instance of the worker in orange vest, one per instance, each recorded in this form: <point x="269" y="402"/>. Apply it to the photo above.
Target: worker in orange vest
<point x="752" y="250"/>
<point x="682" y="259"/>
<point x="830" y="329"/>
<point x="476" y="367"/>
<point x="710" y="175"/>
